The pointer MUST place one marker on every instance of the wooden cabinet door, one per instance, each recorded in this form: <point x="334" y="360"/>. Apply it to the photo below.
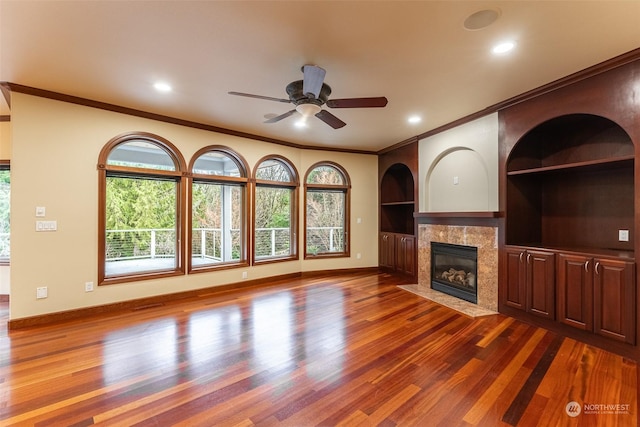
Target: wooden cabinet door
<point x="406" y="251"/>
<point x="541" y="283"/>
<point x="614" y="297"/>
<point x="387" y="250"/>
<point x="515" y="283"/>
<point x="575" y="291"/>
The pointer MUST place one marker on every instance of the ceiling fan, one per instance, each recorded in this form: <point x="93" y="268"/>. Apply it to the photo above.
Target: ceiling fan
<point x="311" y="93"/>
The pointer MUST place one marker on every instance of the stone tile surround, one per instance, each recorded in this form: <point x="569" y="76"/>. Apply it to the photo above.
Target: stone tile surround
<point x="484" y="238"/>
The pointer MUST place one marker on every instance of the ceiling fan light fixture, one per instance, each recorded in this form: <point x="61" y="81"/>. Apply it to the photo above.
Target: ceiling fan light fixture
<point x="308" y="110"/>
<point x="301" y="124"/>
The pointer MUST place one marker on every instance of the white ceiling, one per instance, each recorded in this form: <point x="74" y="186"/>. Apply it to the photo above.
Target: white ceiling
<point x="416" y="53"/>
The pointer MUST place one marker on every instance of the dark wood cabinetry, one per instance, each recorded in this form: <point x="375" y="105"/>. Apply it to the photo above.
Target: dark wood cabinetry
<point x="593" y="293"/>
<point x="568" y="187"/>
<point x="575" y="291"/>
<point x="397" y="252"/>
<point x="530" y="281"/>
<point x="570" y="183"/>
<point x="405" y="254"/>
<point x="398" y="201"/>
<point x="597" y="294"/>
<point x="614" y="299"/>
<point x="387" y="250"/>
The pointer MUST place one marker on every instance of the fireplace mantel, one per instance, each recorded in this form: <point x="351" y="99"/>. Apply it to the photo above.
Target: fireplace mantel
<point x="487" y="219"/>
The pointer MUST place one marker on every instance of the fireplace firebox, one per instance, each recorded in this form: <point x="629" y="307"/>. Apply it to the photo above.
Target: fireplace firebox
<point x="454" y="270"/>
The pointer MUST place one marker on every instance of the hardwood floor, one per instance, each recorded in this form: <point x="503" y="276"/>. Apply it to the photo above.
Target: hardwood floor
<point x="338" y="350"/>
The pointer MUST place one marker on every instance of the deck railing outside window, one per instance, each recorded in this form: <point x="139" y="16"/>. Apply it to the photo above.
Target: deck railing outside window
<point x="156" y="243"/>
<point x="4" y="246"/>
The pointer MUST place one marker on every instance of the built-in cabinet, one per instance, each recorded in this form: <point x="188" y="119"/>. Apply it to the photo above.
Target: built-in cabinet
<point x="398" y="201"/>
<point x="397" y="252"/>
<point x="584" y="291"/>
<point x="597" y="295"/>
<point x="568" y="191"/>
<point x="531" y="281"/>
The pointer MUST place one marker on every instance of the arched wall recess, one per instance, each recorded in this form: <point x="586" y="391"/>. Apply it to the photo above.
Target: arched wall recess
<point x="457" y="181"/>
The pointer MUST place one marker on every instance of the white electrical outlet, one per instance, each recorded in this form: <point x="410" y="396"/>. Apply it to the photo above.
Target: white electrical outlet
<point x="42" y="292"/>
<point x="88" y="286"/>
<point x="456" y="180"/>
<point x="358" y="255"/>
<point x="244" y="275"/>
<point x="623" y="235"/>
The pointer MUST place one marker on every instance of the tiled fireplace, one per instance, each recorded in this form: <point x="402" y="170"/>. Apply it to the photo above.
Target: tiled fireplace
<point x="485" y="239"/>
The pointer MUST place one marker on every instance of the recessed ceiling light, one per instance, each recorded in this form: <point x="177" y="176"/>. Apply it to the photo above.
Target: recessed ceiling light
<point x="162" y="87"/>
<point x="503" y="47"/>
<point x="481" y="19"/>
<point x="414" y="119"/>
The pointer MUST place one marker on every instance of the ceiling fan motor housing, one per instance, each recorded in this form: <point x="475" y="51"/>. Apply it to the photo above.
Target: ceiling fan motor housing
<point x="297" y="97"/>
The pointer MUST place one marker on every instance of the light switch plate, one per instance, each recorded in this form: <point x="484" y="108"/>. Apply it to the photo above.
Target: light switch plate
<point x="46" y="225"/>
<point x="623" y="235"/>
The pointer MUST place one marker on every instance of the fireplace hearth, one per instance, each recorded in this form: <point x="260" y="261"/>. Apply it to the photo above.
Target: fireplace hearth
<point x="454" y="270"/>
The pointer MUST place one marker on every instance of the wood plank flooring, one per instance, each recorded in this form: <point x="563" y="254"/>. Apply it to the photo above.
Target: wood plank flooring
<point x="340" y="350"/>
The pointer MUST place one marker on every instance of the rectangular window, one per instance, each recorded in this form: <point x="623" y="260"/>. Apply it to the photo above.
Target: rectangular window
<point x="325" y="222"/>
<point x="217" y="212"/>
<point x="141" y="225"/>
<point x="5" y="197"/>
<point x="273" y="227"/>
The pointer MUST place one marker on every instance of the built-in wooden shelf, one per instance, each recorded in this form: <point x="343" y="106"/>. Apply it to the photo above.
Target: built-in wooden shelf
<point x="404" y="203"/>
<point x="622" y="161"/>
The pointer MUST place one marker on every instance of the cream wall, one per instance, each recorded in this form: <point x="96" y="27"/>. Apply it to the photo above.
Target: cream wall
<point x="5" y="154"/>
<point x="5" y="140"/>
<point x="55" y="147"/>
<point x="458" y="168"/>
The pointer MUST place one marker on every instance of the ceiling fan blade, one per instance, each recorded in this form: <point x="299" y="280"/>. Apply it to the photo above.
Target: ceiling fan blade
<point x="313" y="79"/>
<point x="280" y="117"/>
<point x="268" y="98"/>
<point x="330" y="119"/>
<point x="380" y="101"/>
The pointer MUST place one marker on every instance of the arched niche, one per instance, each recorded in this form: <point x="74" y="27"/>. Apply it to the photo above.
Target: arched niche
<point x="397" y="200"/>
<point x="457" y="181"/>
<point x="570" y="184"/>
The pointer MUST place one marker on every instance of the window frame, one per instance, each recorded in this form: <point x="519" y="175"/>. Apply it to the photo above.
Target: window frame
<point x="346" y="189"/>
<point x="6" y="165"/>
<point x="293" y="185"/>
<point x="178" y="176"/>
<point x="243" y="181"/>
